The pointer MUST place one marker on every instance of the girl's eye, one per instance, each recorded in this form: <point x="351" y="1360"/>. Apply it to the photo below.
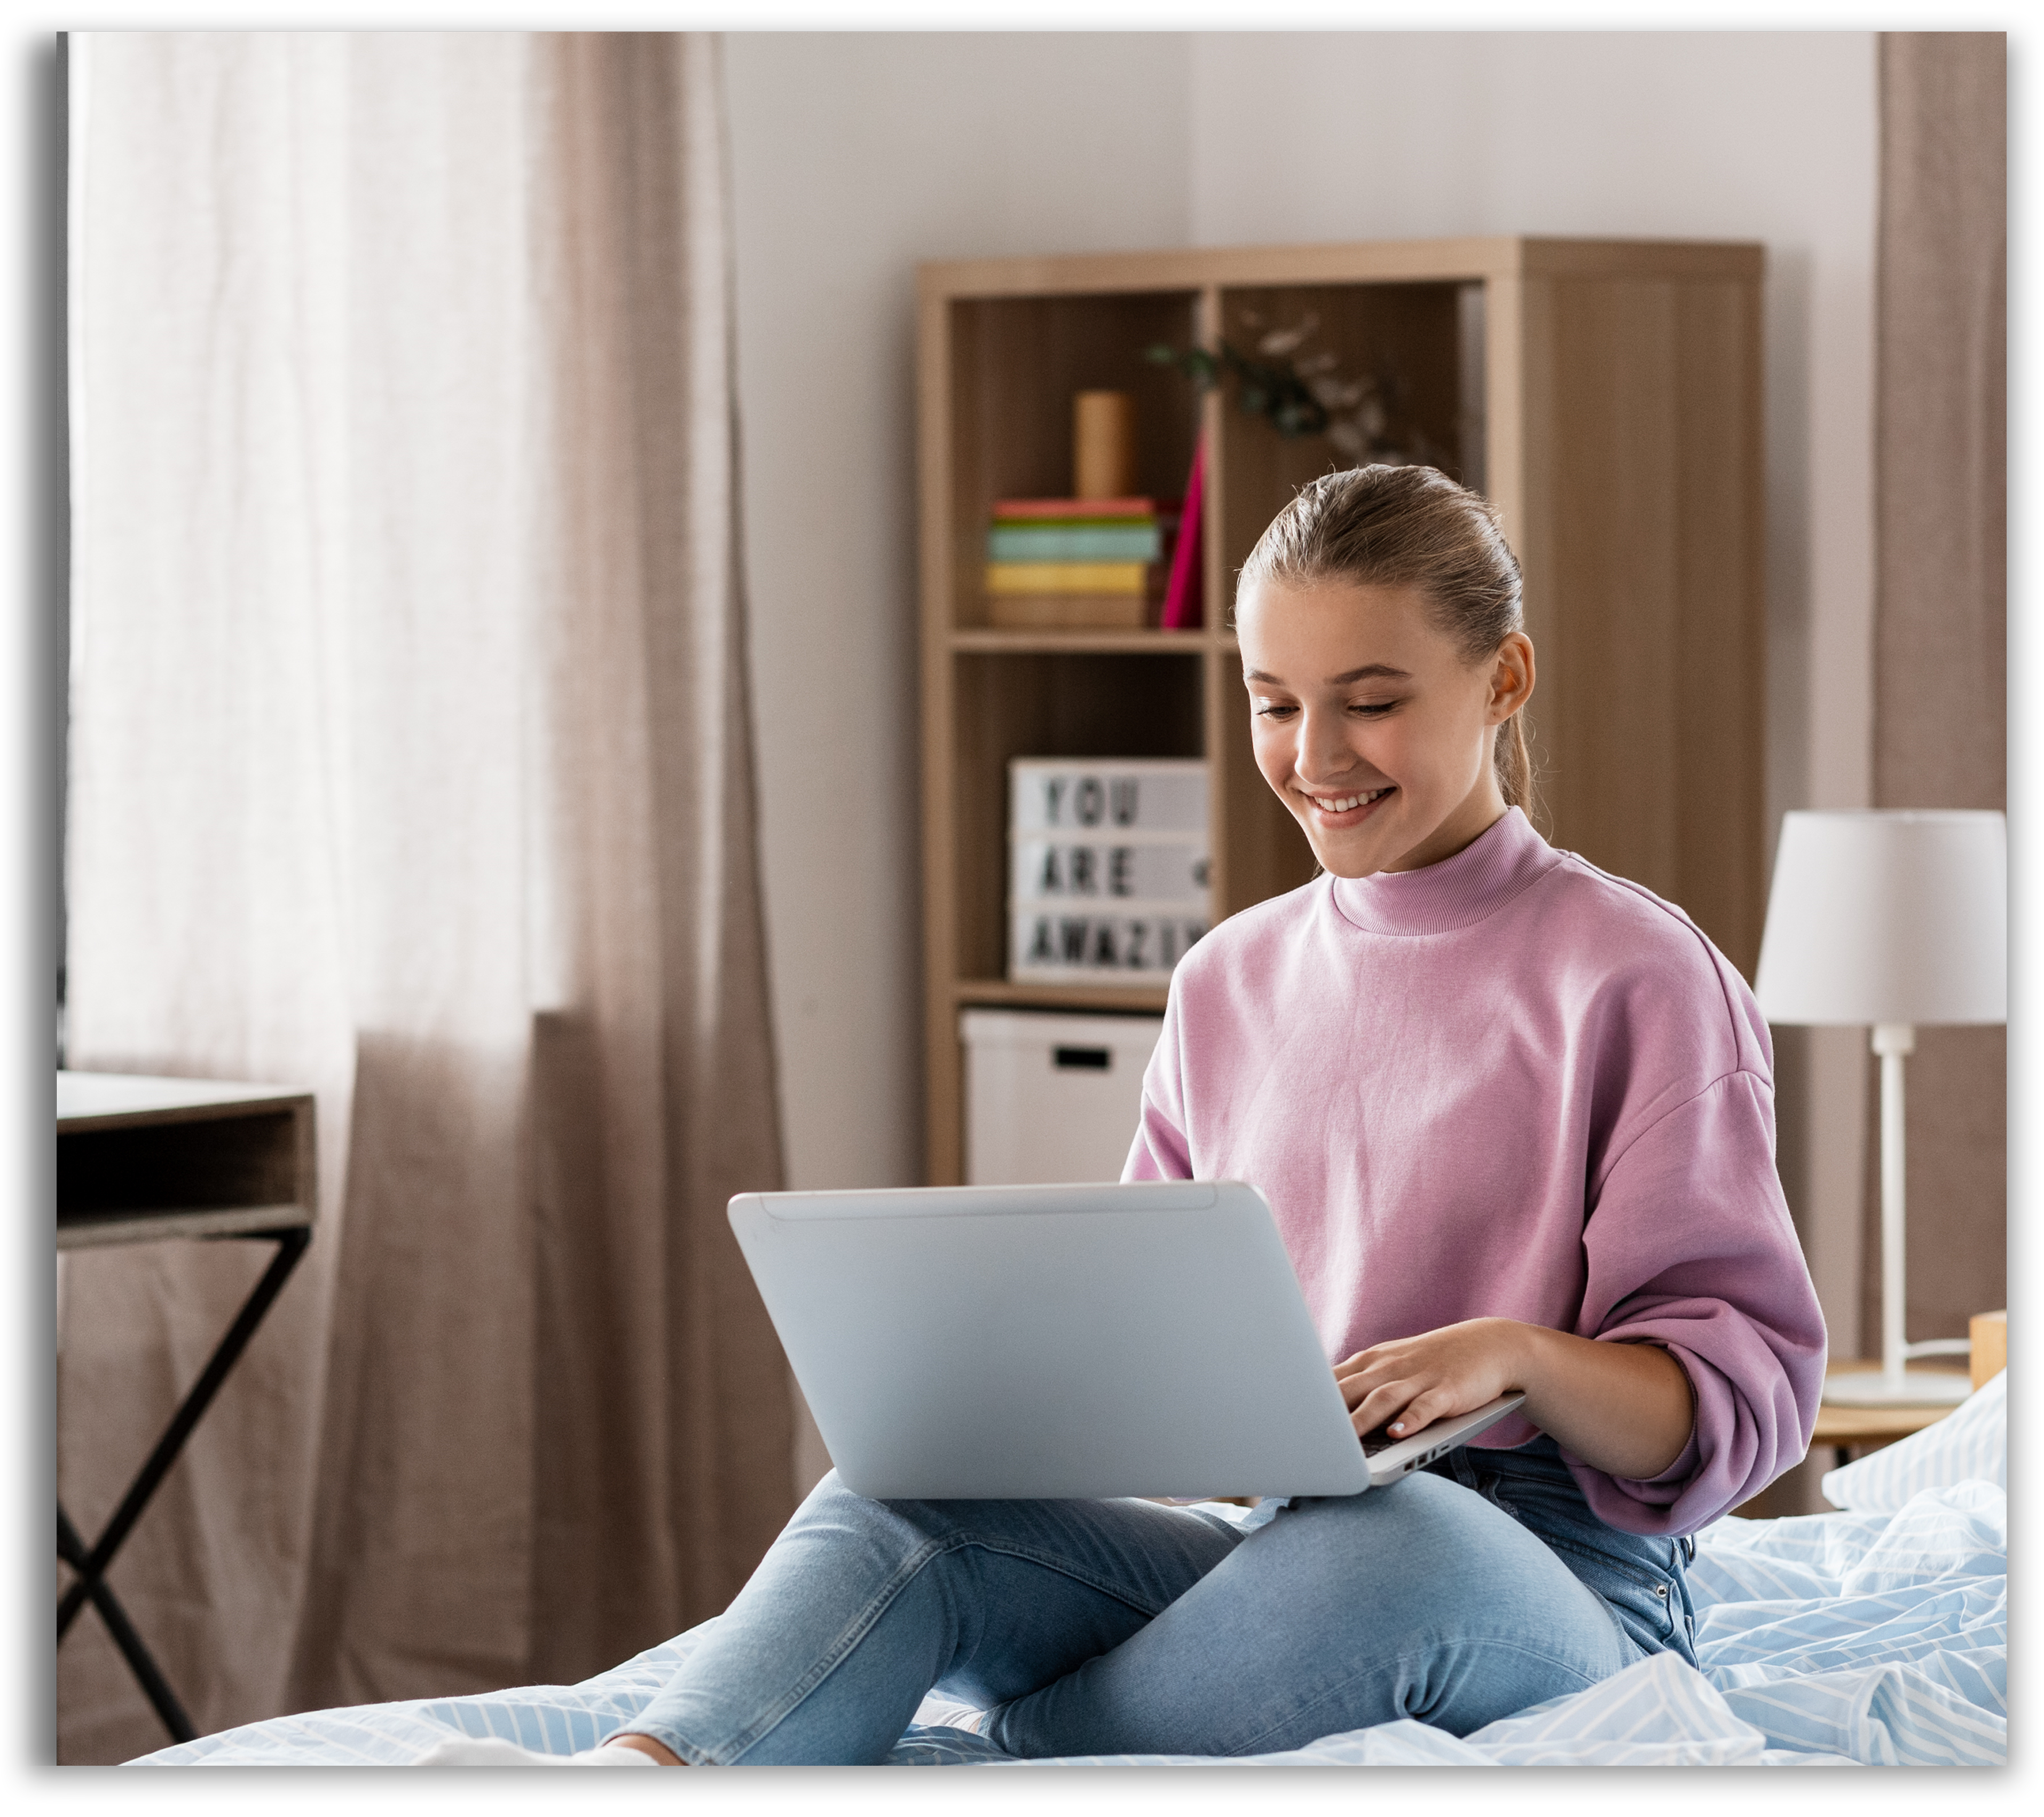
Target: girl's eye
<point x="1373" y="709"/>
<point x="1274" y="710"/>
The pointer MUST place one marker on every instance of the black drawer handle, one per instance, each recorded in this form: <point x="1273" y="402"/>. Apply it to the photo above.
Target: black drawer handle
<point x="1082" y="1059"/>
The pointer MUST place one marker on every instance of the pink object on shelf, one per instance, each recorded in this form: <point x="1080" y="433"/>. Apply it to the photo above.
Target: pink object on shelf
<point x="1184" y="593"/>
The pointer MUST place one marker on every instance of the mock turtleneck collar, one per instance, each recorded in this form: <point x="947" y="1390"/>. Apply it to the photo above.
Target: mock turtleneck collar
<point x="1459" y="891"/>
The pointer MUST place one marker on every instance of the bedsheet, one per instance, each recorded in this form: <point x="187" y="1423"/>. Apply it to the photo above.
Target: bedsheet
<point x="1873" y="1639"/>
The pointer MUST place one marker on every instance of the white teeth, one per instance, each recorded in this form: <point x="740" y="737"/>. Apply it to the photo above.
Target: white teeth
<point x="1341" y="804"/>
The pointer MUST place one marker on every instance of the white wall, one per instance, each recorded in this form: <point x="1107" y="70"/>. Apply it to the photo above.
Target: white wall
<point x="852" y="157"/>
<point x="855" y="156"/>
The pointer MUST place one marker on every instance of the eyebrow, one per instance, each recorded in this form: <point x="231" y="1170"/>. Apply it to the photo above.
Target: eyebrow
<point x="1369" y="672"/>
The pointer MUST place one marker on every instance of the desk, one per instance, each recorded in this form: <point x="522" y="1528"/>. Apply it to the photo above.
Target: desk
<point x="143" y="1159"/>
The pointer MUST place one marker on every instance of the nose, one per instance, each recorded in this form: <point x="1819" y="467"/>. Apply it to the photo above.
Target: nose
<point x="1323" y="755"/>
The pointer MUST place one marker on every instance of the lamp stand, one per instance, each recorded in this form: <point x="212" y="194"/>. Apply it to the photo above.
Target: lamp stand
<point x="1895" y="1384"/>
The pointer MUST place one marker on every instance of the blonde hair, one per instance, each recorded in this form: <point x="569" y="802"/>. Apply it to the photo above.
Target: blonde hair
<point x="1410" y="526"/>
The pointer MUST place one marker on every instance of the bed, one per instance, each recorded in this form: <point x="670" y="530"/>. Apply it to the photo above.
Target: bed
<point x="1876" y="1636"/>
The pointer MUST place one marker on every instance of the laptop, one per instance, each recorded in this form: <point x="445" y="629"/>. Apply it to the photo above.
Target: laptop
<point x="1013" y="1341"/>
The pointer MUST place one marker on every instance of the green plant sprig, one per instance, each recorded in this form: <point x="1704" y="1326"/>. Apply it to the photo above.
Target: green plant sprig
<point x="1268" y="388"/>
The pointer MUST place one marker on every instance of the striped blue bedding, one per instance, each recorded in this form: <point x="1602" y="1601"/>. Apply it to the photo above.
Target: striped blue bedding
<point x="1877" y="1636"/>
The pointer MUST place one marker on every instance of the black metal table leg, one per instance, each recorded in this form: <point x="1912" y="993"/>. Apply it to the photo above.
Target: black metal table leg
<point x="149" y="1675"/>
<point x="91" y="1566"/>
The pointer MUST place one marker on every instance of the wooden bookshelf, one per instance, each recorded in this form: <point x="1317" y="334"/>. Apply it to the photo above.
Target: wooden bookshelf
<point x="1605" y="394"/>
<point x="1006" y="993"/>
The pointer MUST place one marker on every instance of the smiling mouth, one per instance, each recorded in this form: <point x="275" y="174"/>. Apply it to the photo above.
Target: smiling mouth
<point x="1333" y="807"/>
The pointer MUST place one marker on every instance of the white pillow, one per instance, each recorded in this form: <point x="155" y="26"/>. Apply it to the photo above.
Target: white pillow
<point x="1970" y="1444"/>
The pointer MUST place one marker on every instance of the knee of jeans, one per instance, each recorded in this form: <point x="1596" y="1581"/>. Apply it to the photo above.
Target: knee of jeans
<point x="832" y="1505"/>
<point x="829" y="1488"/>
<point x="1423" y="1530"/>
<point x="1420" y="1500"/>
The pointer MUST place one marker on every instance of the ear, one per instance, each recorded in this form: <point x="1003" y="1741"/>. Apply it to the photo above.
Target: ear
<point x="1511" y="677"/>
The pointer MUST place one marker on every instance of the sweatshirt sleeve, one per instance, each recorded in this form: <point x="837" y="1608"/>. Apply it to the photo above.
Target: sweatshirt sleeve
<point x="1689" y="1245"/>
<point x="1162" y="1149"/>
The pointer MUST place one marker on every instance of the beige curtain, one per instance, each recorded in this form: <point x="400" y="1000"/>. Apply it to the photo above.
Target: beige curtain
<point x="1941" y="602"/>
<point x="411" y="762"/>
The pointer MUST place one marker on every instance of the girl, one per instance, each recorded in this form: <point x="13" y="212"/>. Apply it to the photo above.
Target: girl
<point x="1514" y="1117"/>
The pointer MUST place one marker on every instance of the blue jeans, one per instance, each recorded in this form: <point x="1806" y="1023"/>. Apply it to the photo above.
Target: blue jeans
<point x="1455" y="1597"/>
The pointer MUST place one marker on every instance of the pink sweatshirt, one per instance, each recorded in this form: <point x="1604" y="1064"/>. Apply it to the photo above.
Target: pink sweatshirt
<point x="1509" y="1085"/>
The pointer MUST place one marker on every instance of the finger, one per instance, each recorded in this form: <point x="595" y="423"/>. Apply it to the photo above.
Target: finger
<point x="1358" y="1383"/>
<point x="1423" y="1410"/>
<point x="1378" y="1357"/>
<point x="1382" y="1405"/>
<point x="1354" y="1389"/>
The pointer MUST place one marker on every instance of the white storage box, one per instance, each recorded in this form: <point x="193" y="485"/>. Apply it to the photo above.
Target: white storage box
<point x="1107" y="867"/>
<point x="1051" y="1099"/>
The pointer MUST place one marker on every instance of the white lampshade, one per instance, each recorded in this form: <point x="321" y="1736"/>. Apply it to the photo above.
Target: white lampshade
<point x="1888" y="916"/>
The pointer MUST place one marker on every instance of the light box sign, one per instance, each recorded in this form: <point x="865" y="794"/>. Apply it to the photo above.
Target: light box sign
<point x="1107" y="867"/>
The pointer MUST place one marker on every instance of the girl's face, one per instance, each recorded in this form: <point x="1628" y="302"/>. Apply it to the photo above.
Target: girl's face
<point x="1369" y="724"/>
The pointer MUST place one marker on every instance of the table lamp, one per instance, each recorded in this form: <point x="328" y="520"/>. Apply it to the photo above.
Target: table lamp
<point x="1891" y="917"/>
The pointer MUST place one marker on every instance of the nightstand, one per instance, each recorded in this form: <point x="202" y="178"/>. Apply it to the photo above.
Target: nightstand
<point x="1848" y="1429"/>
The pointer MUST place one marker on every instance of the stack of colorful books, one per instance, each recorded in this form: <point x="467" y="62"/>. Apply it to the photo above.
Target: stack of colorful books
<point x="1076" y="563"/>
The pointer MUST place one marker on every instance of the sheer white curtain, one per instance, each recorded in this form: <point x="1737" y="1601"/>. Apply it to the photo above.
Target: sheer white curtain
<point x="410" y="762"/>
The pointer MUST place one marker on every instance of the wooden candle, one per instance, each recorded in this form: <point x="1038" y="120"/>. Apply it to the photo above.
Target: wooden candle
<point x="1103" y="445"/>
